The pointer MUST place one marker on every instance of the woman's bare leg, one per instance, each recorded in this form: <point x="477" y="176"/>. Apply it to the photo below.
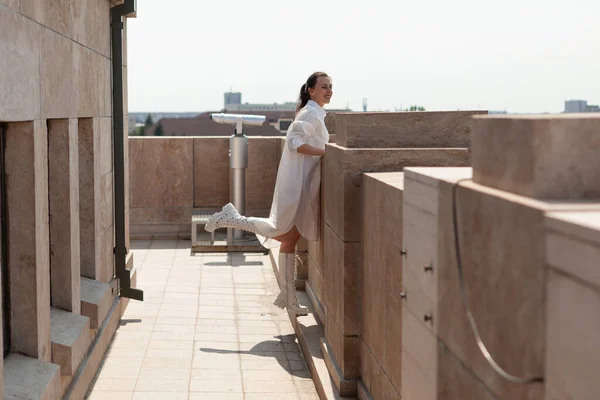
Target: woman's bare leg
<point x="289" y="240"/>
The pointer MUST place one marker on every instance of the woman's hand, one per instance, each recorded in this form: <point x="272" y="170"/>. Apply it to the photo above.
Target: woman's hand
<point x="311" y="150"/>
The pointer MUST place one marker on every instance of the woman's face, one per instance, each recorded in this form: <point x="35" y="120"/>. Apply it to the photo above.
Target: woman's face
<point x="322" y="91"/>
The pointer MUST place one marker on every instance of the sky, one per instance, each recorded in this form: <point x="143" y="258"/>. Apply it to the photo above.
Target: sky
<point x="523" y="56"/>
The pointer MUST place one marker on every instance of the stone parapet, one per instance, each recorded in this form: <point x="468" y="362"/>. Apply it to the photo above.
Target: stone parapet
<point x="402" y="129"/>
<point x="541" y="156"/>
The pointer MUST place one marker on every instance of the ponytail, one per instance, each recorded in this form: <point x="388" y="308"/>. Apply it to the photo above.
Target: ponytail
<point x="304" y="96"/>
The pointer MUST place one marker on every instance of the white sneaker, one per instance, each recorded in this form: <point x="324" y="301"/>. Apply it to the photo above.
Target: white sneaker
<point x="222" y="218"/>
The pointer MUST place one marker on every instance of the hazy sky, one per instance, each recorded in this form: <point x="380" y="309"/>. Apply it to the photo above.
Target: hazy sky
<point x="518" y="55"/>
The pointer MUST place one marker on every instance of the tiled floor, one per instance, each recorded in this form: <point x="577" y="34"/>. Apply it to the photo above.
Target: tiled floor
<point x="206" y="330"/>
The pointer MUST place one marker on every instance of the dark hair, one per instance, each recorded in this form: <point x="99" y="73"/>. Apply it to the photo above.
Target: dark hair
<point x="310" y="83"/>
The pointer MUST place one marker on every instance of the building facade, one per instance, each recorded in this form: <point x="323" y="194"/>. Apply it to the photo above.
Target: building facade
<point x="60" y="224"/>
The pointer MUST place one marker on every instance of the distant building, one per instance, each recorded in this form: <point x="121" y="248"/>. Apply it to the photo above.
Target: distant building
<point x="233" y="102"/>
<point x="580" y="106"/>
<point x="276" y="124"/>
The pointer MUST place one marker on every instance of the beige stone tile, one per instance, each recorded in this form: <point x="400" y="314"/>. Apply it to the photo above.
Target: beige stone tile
<point x="216" y="290"/>
<point x="264" y="364"/>
<point x="216" y="337"/>
<point x="305" y="386"/>
<point x="216" y="386"/>
<point x="134" y="352"/>
<point x="215" y="396"/>
<point x="154" y="363"/>
<point x="274" y="346"/>
<point x="271" y="396"/>
<point x="261" y="375"/>
<point x="177" y="336"/>
<point x="215" y="309"/>
<point x="119" y="372"/>
<point x="260" y="324"/>
<point x="215" y="322"/>
<point x="162" y="385"/>
<point x="216" y="361"/>
<point x="181" y="289"/>
<point x="180" y="354"/>
<point x="160" y="396"/>
<point x="114" y="385"/>
<point x="215" y="329"/>
<point x="269" y="386"/>
<point x="110" y="395"/>
<point x="258" y="330"/>
<point x="171" y="344"/>
<point x="256" y="355"/>
<point x="175" y="321"/>
<point x="119" y="342"/>
<point x="256" y="338"/>
<point x="174" y="328"/>
<point x="215" y="346"/>
<point x="122" y="362"/>
<point x="208" y="374"/>
<point x="177" y="374"/>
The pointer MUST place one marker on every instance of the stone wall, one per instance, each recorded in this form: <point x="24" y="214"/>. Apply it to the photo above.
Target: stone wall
<point x="336" y="261"/>
<point x="170" y="177"/>
<point x="529" y="268"/>
<point x="56" y="117"/>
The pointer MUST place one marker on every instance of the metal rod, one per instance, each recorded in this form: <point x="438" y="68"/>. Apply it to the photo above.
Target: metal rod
<point x="120" y="250"/>
<point x="239" y="191"/>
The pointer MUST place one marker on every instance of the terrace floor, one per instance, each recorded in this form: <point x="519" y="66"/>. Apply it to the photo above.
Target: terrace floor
<point x="206" y="330"/>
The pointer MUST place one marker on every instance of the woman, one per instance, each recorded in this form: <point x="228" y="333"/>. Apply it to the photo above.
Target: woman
<point x="295" y="207"/>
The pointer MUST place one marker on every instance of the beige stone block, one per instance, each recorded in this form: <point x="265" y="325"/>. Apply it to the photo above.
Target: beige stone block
<point x="263" y="164"/>
<point x="57" y="75"/>
<point x="29" y="378"/>
<point x="342" y="181"/>
<point x="421" y="265"/>
<point x="91" y="24"/>
<point x="105" y="203"/>
<point x="89" y="82"/>
<point x="29" y="250"/>
<point x="502" y="252"/>
<point x="454" y="381"/>
<point x="416" y="384"/>
<point x="64" y="214"/>
<point x="402" y="129"/>
<point x="345" y="350"/>
<point x="381" y="277"/>
<point x="161" y="216"/>
<point x="14" y="4"/>
<point x="34" y="9"/>
<point x="211" y="172"/>
<point x="96" y="300"/>
<point x="420" y="344"/>
<point x="366" y="359"/>
<point x="572" y="356"/>
<point x="55" y="14"/>
<point x="381" y="386"/>
<point x="20" y="46"/>
<point x="341" y="284"/>
<point x="105" y="145"/>
<point x="105" y="264"/>
<point x="544" y="157"/>
<point x="71" y="337"/>
<point x="89" y="187"/>
<point x="161" y="172"/>
<point x="573" y="244"/>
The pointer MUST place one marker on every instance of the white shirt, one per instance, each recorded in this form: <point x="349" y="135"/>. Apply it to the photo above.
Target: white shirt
<point x="296" y="196"/>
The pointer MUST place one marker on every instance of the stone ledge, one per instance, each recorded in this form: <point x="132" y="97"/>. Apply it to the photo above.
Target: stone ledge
<point x="30" y="379"/>
<point x="345" y="387"/>
<point x="89" y="365"/>
<point x="96" y="300"/>
<point x="316" y="305"/>
<point x="309" y="334"/>
<point x="70" y="336"/>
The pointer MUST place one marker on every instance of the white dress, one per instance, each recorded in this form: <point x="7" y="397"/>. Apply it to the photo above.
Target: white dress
<point x="296" y="196"/>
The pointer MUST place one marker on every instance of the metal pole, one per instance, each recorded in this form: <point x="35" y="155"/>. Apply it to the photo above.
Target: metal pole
<point x="117" y="13"/>
<point x="238" y="161"/>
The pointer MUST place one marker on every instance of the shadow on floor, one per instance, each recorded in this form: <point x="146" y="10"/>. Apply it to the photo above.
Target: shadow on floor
<point x="268" y="349"/>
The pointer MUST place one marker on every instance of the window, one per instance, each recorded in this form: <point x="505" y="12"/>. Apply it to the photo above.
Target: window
<point x="284" y="124"/>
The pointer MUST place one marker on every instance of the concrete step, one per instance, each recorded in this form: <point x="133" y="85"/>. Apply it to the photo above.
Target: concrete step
<point x="70" y="336"/>
<point x="96" y="299"/>
<point x="28" y="378"/>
